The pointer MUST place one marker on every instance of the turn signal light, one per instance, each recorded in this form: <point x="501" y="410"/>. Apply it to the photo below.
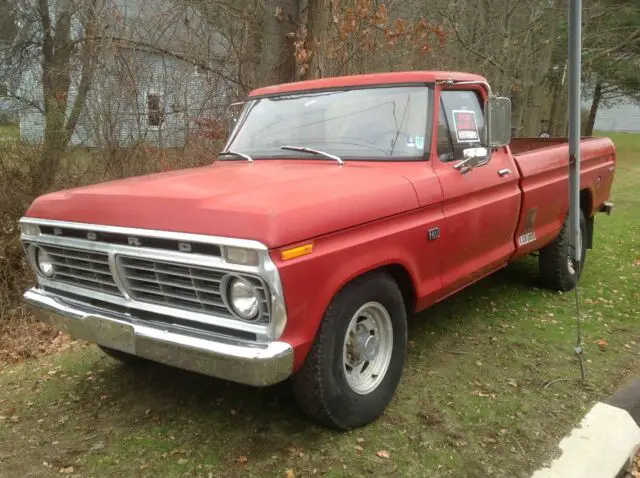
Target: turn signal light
<point x="296" y="252"/>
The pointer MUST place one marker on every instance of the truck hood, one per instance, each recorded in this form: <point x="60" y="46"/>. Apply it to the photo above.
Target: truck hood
<point x="276" y="202"/>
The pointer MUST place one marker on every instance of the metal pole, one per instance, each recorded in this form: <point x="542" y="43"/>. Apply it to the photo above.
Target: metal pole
<point x="575" y="87"/>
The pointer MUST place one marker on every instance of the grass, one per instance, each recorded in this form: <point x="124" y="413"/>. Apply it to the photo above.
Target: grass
<point x="9" y="132"/>
<point x="472" y="401"/>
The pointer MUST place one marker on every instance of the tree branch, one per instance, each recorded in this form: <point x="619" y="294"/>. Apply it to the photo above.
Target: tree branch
<point x="470" y="48"/>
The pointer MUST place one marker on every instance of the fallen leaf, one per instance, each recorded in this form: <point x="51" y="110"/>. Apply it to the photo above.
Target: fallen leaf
<point x="503" y="431"/>
<point x="383" y="454"/>
<point x="359" y="448"/>
<point x="243" y="460"/>
<point x="602" y="343"/>
<point x="289" y="474"/>
<point x="490" y="440"/>
<point x="182" y="461"/>
<point x="68" y="469"/>
<point x="360" y="440"/>
<point x="478" y="393"/>
<point x="513" y="383"/>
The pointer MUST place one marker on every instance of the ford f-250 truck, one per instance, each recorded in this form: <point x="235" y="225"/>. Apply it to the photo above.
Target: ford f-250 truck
<point x="338" y="208"/>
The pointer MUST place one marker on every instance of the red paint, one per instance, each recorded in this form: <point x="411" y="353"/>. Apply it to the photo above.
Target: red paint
<point x="362" y="216"/>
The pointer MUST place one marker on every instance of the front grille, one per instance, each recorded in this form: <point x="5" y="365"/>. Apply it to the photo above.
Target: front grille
<point x="82" y="268"/>
<point x="180" y="286"/>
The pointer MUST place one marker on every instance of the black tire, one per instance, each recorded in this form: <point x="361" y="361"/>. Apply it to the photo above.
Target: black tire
<point x="121" y="356"/>
<point x="553" y="260"/>
<point x="321" y="388"/>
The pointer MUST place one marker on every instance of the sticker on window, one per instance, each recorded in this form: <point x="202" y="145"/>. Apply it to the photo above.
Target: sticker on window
<point x="464" y="122"/>
<point x="420" y="142"/>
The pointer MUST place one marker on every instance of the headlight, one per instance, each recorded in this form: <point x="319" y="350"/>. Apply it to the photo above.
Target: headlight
<point x="30" y="229"/>
<point x="44" y="263"/>
<point x="244" y="298"/>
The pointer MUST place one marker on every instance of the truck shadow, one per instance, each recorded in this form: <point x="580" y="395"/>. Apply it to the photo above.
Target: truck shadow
<point x="261" y="421"/>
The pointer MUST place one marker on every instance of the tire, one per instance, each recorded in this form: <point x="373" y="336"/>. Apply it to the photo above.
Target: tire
<point x="557" y="270"/>
<point x="321" y="387"/>
<point x="121" y="356"/>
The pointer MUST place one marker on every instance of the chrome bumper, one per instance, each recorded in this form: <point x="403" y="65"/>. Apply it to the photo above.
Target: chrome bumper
<point x="226" y="358"/>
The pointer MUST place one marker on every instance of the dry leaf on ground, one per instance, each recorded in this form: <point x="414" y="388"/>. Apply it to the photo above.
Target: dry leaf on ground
<point x="383" y="454"/>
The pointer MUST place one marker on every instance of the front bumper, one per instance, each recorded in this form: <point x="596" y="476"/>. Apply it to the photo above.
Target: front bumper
<point x="227" y="358"/>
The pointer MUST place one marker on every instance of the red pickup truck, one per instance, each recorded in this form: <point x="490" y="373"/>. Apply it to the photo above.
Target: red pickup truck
<point x="338" y="208"/>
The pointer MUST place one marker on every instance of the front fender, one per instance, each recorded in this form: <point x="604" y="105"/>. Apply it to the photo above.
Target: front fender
<point x="310" y="282"/>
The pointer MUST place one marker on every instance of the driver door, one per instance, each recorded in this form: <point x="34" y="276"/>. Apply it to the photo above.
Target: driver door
<point x="480" y="207"/>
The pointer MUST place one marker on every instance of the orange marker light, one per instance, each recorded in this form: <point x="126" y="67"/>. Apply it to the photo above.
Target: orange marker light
<point x="296" y="252"/>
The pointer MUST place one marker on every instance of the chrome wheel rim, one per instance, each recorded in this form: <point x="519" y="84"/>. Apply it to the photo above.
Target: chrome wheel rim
<point x="367" y="348"/>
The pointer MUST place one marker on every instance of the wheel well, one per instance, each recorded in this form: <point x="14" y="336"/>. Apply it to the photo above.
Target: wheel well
<point x="586" y="203"/>
<point x="402" y="277"/>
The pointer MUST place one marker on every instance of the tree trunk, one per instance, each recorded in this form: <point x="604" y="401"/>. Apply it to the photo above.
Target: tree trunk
<point x="57" y="66"/>
<point x="277" y="62"/>
<point x="595" y="103"/>
<point x="318" y="12"/>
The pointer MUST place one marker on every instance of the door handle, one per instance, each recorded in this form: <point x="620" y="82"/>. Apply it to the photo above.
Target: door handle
<point x="504" y="172"/>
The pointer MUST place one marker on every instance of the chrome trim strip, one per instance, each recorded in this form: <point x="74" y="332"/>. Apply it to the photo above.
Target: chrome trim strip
<point x="230" y="359"/>
<point x="178" y="236"/>
<point x="142" y="252"/>
<point x="115" y="273"/>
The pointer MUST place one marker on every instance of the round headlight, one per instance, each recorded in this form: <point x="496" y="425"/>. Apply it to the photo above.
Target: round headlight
<point x="244" y="298"/>
<point x="45" y="265"/>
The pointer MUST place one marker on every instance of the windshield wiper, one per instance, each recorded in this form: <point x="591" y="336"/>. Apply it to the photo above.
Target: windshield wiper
<point x="235" y="153"/>
<point x="304" y="149"/>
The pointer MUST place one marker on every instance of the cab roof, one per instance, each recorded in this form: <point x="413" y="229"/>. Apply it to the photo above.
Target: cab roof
<point x="402" y="77"/>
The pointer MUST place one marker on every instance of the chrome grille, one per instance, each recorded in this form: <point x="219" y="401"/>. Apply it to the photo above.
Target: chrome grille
<point x="82" y="268"/>
<point x="180" y="286"/>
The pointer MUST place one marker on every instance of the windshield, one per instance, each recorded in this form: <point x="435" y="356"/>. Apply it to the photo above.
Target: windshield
<point x="369" y="123"/>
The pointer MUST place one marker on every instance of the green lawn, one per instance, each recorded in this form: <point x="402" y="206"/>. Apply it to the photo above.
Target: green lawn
<point x="10" y="131"/>
<point x="472" y="401"/>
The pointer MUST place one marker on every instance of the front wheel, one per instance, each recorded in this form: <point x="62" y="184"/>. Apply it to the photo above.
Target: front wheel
<point x="356" y="361"/>
<point x="559" y="271"/>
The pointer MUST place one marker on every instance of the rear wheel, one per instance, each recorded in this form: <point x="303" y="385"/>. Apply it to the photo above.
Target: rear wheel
<point x="356" y="361"/>
<point x="559" y="271"/>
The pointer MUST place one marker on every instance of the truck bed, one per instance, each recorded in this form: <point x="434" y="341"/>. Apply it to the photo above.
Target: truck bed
<point x="543" y="165"/>
<point x="524" y="145"/>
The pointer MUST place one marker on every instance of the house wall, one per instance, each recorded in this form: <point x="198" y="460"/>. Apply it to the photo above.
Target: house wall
<point x="116" y="109"/>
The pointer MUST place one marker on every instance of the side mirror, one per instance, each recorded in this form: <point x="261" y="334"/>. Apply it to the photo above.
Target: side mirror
<point x="473" y="157"/>
<point x="497" y="113"/>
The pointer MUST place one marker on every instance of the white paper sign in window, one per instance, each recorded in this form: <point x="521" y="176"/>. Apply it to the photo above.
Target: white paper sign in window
<point x="464" y="122"/>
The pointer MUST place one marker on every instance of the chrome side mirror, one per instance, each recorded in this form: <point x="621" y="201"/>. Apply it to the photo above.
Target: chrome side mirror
<point x="473" y="157"/>
<point x="498" y="117"/>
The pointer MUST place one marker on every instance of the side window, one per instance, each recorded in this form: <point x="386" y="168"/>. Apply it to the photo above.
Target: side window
<point x="155" y="110"/>
<point x="463" y="117"/>
<point x="445" y="148"/>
